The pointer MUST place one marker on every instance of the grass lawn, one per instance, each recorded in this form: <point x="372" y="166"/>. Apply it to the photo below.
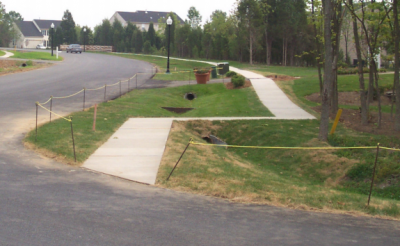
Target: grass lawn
<point x="306" y="179"/>
<point x="180" y="70"/>
<point x="35" y="55"/>
<point x="212" y="100"/>
<point x="2" y="53"/>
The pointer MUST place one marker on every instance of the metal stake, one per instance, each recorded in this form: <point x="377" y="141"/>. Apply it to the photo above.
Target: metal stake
<point x="73" y="140"/>
<point x="136" y="80"/>
<point x="187" y="146"/>
<point x="36" y="120"/>
<point x="120" y="90"/>
<point x="129" y="81"/>
<point x="105" y="92"/>
<point x="84" y="98"/>
<point x="94" y="117"/>
<point x="373" y="174"/>
<point x="51" y="106"/>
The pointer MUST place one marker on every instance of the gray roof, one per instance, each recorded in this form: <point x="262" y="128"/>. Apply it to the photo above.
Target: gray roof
<point x="29" y="29"/>
<point x="144" y="16"/>
<point x="45" y="24"/>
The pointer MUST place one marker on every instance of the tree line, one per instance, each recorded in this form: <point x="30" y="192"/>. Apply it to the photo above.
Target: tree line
<point x="262" y="31"/>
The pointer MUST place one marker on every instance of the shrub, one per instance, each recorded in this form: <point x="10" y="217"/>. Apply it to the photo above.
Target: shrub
<point x="201" y="70"/>
<point x="29" y="63"/>
<point x="231" y="74"/>
<point x="147" y="47"/>
<point x="237" y="80"/>
<point x="354" y="70"/>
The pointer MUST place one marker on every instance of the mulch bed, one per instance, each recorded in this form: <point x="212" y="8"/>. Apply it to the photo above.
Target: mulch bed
<point x="281" y="77"/>
<point x="349" y="98"/>
<point x="352" y="119"/>
<point x="230" y="85"/>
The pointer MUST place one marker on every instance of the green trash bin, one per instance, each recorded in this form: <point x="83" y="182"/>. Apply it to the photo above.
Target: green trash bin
<point x="223" y="68"/>
<point x="214" y="72"/>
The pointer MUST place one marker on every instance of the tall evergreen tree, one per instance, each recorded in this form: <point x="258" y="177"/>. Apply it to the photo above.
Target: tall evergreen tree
<point x="151" y="35"/>
<point x="68" y="28"/>
<point x="138" y="39"/>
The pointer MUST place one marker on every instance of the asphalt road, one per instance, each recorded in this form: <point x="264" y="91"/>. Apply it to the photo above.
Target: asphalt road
<point x="43" y="202"/>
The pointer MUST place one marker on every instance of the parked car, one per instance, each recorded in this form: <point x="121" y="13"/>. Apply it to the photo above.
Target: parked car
<point x="40" y="46"/>
<point x="74" y="48"/>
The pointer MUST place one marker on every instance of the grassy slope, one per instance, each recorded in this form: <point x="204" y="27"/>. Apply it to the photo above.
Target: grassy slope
<point x="2" y="53"/>
<point x="300" y="179"/>
<point x="213" y="100"/>
<point x="34" y="55"/>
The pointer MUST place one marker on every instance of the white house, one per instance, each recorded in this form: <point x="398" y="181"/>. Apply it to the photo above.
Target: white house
<point x="32" y="33"/>
<point x="141" y="19"/>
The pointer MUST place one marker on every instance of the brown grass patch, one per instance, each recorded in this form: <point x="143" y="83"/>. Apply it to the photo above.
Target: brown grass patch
<point x="13" y="66"/>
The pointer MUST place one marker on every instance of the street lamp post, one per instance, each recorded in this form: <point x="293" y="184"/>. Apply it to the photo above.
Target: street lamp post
<point x="169" y="23"/>
<point x="52" y="37"/>
<point x="84" y="39"/>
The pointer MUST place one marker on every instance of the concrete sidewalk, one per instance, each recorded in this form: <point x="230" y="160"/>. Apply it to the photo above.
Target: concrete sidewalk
<point x="8" y="54"/>
<point x="135" y="150"/>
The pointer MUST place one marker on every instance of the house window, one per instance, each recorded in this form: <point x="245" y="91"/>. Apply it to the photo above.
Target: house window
<point x="44" y="32"/>
<point x="143" y="27"/>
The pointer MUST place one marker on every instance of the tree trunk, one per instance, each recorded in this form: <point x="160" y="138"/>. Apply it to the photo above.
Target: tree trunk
<point x="328" y="74"/>
<point x="378" y="93"/>
<point x="292" y="52"/>
<point x="319" y="55"/>
<point x="266" y="46"/>
<point x="363" y="99"/>
<point x="396" y="63"/>
<point x="269" y="52"/>
<point x="251" y="48"/>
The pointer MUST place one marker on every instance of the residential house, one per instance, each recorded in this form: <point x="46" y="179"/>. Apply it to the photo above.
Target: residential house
<point x="32" y="33"/>
<point x="141" y="19"/>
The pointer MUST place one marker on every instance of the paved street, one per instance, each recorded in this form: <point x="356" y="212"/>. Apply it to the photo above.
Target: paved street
<point x="43" y="202"/>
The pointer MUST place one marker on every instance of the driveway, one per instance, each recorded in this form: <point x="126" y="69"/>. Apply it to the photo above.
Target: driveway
<point x="43" y="202"/>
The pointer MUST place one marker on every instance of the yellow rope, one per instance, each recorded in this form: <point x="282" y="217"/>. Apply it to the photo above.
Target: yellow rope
<point x="69" y="95"/>
<point x="96" y="88"/>
<point x="46" y="101"/>
<point x="69" y="120"/>
<point x="295" y="148"/>
<point x="113" y="84"/>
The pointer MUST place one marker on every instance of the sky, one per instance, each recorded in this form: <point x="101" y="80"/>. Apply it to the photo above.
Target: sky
<point x="91" y="12"/>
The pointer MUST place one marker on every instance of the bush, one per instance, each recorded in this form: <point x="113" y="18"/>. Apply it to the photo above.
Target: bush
<point x="201" y="70"/>
<point x="147" y="47"/>
<point x="354" y="70"/>
<point x="29" y="63"/>
<point x="238" y="80"/>
<point x="231" y="74"/>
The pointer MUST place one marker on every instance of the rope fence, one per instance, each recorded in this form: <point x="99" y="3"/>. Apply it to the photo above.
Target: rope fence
<point x="104" y="87"/>
<point x="105" y="96"/>
<point x="377" y="148"/>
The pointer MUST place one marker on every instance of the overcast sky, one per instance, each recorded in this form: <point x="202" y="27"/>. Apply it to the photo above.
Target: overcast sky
<point x="91" y="12"/>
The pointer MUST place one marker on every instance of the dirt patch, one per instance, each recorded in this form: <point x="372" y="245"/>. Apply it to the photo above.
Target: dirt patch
<point x="12" y="66"/>
<point x="230" y="85"/>
<point x="281" y="77"/>
<point x="177" y="110"/>
<point x="349" y="98"/>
